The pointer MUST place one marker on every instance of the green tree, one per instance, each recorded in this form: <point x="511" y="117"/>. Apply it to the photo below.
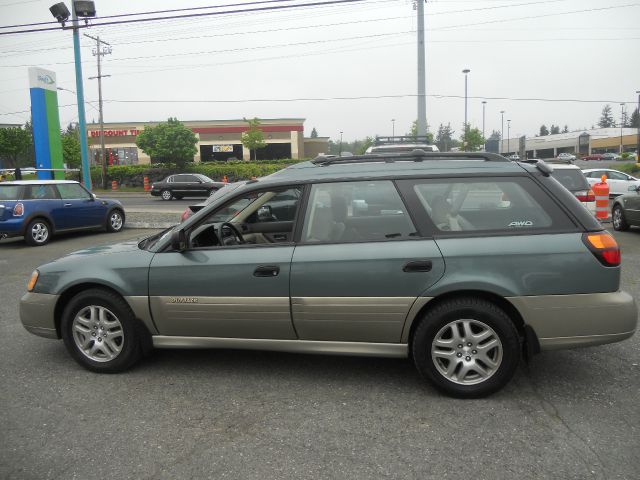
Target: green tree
<point x="15" y="146"/>
<point x="414" y="132"/>
<point x="544" y="131"/>
<point x="555" y="129"/>
<point x="71" y="147"/>
<point x="565" y="129"/>
<point x="169" y="141"/>
<point x="634" y="121"/>
<point x="474" y="139"/>
<point x="360" y="146"/>
<point x="444" y="138"/>
<point x="606" y="118"/>
<point x="314" y="133"/>
<point x="253" y="139"/>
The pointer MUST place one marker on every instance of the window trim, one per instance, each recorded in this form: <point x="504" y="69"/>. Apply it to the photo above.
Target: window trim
<point x="549" y="205"/>
<point x="27" y="189"/>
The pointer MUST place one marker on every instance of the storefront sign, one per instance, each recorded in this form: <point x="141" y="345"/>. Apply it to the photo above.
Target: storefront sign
<point x="115" y="133"/>
<point x="222" y="148"/>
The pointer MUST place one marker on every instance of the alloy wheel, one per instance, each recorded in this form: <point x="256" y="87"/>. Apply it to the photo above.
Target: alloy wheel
<point x="98" y="333"/>
<point x="116" y="221"/>
<point x="466" y="351"/>
<point x="40" y="232"/>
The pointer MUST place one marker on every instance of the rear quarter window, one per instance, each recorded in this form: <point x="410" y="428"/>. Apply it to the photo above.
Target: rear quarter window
<point x="498" y="205"/>
<point x="571" y="179"/>
<point x="9" y="192"/>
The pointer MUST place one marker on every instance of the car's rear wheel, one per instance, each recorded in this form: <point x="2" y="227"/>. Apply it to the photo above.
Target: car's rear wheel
<point x="618" y="219"/>
<point x="115" y="221"/>
<point x="166" y="195"/>
<point x="99" y="330"/>
<point x="466" y="347"/>
<point x="38" y="232"/>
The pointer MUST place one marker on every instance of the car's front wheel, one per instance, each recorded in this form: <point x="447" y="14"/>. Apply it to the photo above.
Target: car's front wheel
<point x="166" y="195"/>
<point x="619" y="220"/>
<point x="99" y="330"/>
<point x="38" y="232"/>
<point x="466" y="347"/>
<point x="115" y="221"/>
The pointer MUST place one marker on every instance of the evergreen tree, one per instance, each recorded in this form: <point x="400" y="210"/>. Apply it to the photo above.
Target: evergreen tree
<point x="544" y="131"/>
<point x="606" y="118"/>
<point x="314" y="133"/>
<point x="565" y="129"/>
<point x="555" y="129"/>
<point x="444" y="138"/>
<point x="634" y="121"/>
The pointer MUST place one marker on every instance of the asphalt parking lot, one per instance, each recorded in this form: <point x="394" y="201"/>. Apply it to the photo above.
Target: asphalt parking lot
<point x="238" y="414"/>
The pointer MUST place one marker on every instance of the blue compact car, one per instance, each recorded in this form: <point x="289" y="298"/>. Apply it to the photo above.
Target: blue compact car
<point x="39" y="209"/>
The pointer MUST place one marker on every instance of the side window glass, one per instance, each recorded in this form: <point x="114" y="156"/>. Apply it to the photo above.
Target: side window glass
<point x="617" y="176"/>
<point x="356" y="212"/>
<point x="503" y="205"/>
<point x="281" y="207"/>
<point x="40" y="192"/>
<point x="72" y="191"/>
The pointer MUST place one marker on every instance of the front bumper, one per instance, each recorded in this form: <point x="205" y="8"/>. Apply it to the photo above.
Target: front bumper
<point x="568" y="321"/>
<point x="36" y="314"/>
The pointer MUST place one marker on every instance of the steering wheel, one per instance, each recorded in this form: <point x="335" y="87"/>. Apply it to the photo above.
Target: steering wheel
<point x="238" y="238"/>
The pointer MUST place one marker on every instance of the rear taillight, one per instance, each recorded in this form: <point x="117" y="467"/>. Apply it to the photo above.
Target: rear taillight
<point x="604" y="247"/>
<point x="18" y="210"/>
<point x="586" y="196"/>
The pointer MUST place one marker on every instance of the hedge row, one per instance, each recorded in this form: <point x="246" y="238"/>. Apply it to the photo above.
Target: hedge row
<point x="133" y="175"/>
<point x="630" y="168"/>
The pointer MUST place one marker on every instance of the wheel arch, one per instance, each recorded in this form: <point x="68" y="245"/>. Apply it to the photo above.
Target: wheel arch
<point x="501" y="302"/>
<point x="73" y="290"/>
<point x="35" y="215"/>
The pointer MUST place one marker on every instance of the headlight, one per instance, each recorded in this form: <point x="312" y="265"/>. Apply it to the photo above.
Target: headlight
<point x="32" y="281"/>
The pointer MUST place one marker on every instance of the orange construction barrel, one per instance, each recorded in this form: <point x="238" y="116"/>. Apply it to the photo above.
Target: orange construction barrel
<point x="225" y="179"/>
<point x="114" y="185"/>
<point x="147" y="187"/>
<point x="601" y="191"/>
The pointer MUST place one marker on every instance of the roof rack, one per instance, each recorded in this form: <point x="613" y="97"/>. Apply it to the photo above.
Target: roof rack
<point x="415" y="155"/>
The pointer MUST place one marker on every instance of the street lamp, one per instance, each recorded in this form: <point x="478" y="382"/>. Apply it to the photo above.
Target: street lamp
<point x="502" y="132"/>
<point x="484" y="142"/>
<point x="85" y="10"/>
<point x="466" y="72"/>
<point x="508" y="136"/>
<point x="340" y="149"/>
<point x="621" y="124"/>
<point x="393" y="127"/>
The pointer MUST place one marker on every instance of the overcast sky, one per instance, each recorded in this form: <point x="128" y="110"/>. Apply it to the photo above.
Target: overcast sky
<point x="554" y="49"/>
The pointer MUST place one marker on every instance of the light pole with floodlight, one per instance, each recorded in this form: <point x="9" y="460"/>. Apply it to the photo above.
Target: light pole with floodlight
<point x="340" y="149"/>
<point x="502" y="133"/>
<point x="508" y="136"/>
<point x="393" y="127"/>
<point x="621" y="125"/>
<point x="85" y="10"/>
<point x="484" y="141"/>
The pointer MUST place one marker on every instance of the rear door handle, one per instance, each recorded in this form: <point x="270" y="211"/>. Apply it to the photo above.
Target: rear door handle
<point x="266" y="271"/>
<point x="67" y="204"/>
<point x="418" y="266"/>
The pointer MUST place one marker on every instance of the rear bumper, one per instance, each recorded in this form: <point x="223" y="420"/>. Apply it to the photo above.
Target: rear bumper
<point x="568" y="321"/>
<point x="36" y="314"/>
<point x="12" y="227"/>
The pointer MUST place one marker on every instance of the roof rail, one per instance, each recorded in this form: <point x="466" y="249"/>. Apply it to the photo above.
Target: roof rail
<point x="415" y="155"/>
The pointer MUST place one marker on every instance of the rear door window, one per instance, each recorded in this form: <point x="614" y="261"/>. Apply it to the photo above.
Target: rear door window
<point x="462" y="205"/>
<point x="40" y="192"/>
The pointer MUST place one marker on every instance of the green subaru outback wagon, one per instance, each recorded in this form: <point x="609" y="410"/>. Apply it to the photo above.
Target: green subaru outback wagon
<point x="462" y="262"/>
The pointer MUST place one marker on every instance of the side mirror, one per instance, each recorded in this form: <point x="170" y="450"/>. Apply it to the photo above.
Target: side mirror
<point x="93" y="196"/>
<point x="178" y="240"/>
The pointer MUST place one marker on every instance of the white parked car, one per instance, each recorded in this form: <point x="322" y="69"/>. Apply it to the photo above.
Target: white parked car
<point x="566" y="156"/>
<point x="514" y="157"/>
<point x="573" y="179"/>
<point x="619" y="182"/>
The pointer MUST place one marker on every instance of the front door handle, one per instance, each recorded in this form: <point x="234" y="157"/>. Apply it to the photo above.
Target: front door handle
<point x="266" y="271"/>
<point x="68" y="204"/>
<point x="418" y="266"/>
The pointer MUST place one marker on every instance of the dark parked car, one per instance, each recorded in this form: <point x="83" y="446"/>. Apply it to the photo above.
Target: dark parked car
<point x="625" y="210"/>
<point x="185" y="185"/>
<point x="593" y="156"/>
<point x="38" y="209"/>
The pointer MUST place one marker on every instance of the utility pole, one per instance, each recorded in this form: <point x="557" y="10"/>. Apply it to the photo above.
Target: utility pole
<point x="422" y="81"/>
<point x="484" y="141"/>
<point x="98" y="52"/>
<point x="621" y="125"/>
<point x="502" y="133"/>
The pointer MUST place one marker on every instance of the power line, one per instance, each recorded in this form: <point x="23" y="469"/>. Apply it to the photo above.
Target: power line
<point x="193" y="15"/>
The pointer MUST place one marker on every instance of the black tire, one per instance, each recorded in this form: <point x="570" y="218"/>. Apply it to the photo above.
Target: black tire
<point x="124" y="345"/>
<point x="166" y="195"/>
<point x="38" y="232"/>
<point x="449" y="315"/>
<point x="618" y="219"/>
<point x="115" y="220"/>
